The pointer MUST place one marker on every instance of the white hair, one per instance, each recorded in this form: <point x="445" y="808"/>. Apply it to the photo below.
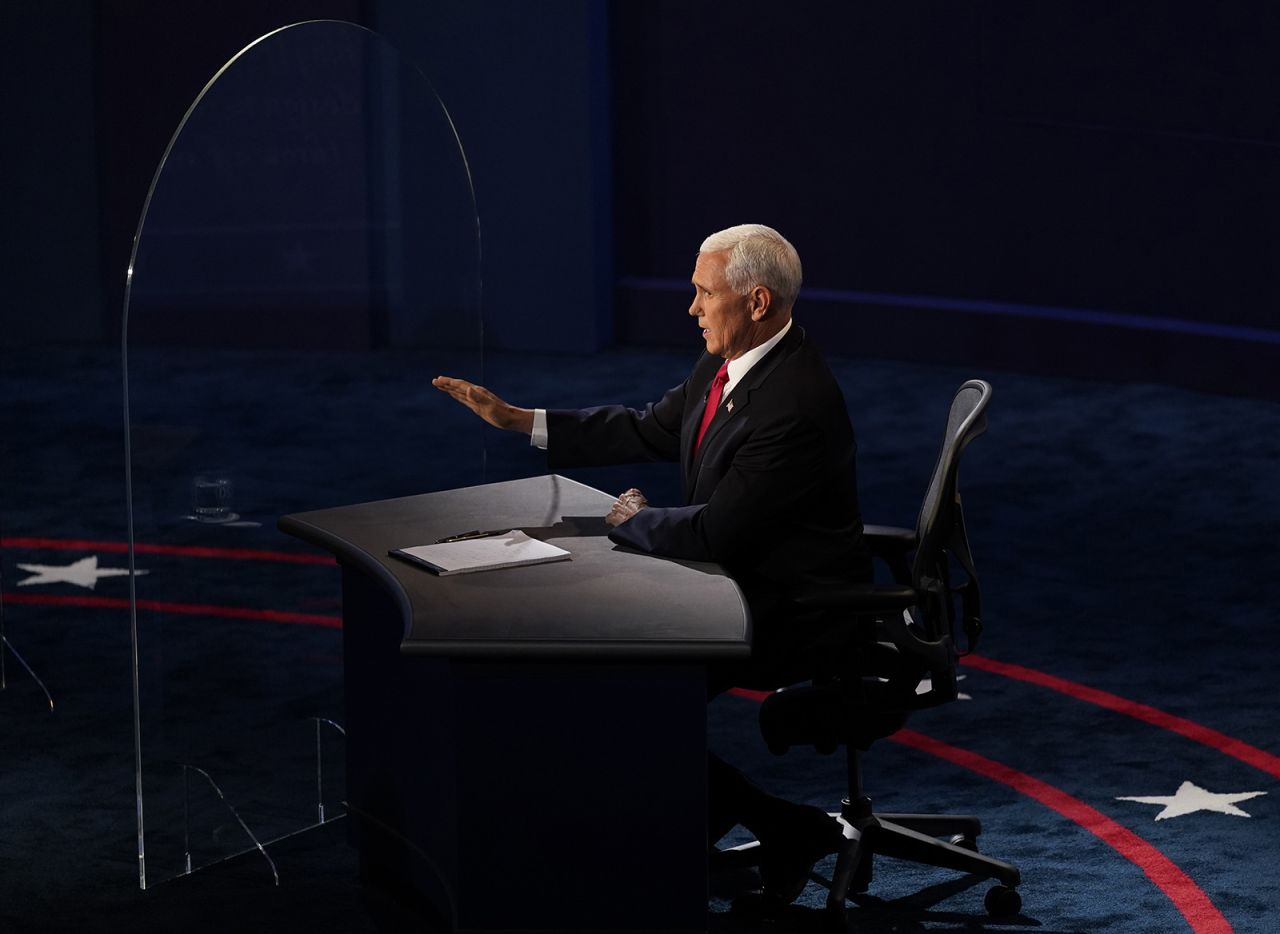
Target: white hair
<point x="758" y="255"/>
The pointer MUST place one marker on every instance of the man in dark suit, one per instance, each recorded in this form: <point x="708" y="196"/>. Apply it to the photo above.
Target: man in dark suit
<point x="766" y="451"/>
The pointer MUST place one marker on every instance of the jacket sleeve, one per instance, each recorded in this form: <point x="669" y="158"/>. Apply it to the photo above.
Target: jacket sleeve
<point x="615" y="434"/>
<point x="769" y="476"/>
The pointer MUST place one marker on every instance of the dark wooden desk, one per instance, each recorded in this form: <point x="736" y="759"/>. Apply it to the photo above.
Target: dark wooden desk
<point x="527" y="747"/>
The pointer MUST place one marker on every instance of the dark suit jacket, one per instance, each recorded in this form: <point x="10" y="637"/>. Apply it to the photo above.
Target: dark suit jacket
<point x="772" y="492"/>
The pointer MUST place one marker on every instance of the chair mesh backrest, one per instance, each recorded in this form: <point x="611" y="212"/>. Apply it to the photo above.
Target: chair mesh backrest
<point x="966" y="420"/>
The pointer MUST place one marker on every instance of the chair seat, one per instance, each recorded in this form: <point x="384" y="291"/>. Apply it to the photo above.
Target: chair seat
<point x="828" y="715"/>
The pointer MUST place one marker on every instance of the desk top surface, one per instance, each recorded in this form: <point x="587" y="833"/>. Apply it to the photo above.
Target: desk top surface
<point x="606" y="601"/>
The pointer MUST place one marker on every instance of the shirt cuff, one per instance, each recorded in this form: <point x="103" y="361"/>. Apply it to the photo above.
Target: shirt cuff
<point x="538" y="437"/>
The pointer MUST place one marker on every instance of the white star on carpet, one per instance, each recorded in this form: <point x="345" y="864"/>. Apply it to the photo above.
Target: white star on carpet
<point x="82" y="573"/>
<point x="1190" y="798"/>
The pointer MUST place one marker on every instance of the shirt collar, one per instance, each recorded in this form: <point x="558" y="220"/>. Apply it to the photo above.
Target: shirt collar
<point x="739" y="366"/>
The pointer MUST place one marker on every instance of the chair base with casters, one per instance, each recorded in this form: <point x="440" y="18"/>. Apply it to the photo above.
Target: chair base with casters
<point x="949" y="841"/>
<point x="821" y="716"/>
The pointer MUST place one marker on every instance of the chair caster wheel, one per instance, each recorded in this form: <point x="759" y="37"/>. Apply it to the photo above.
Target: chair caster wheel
<point x="965" y="841"/>
<point x="1002" y="901"/>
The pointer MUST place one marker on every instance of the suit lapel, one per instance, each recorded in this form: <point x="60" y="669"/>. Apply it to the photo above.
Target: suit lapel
<point x="740" y="398"/>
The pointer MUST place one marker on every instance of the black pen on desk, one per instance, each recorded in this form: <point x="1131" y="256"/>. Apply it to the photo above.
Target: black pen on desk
<point x="466" y="536"/>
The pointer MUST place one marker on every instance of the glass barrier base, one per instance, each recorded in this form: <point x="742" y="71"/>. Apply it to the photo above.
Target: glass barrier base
<point x="187" y="771"/>
<point x="5" y="644"/>
<point x="321" y="723"/>
<point x="203" y="829"/>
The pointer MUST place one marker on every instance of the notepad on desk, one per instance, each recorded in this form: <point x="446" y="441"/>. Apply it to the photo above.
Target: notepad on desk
<point x="509" y="550"/>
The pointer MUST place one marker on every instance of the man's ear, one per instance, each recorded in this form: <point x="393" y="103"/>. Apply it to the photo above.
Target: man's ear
<point x="760" y="302"/>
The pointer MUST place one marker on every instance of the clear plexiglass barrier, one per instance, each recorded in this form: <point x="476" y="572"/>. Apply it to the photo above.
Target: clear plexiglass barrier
<point x="307" y="259"/>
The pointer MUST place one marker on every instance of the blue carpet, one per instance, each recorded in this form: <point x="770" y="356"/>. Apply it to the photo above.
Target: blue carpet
<point x="1126" y="538"/>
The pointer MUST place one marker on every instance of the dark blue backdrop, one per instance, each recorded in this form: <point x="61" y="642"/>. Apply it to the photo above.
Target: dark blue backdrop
<point x="1075" y="189"/>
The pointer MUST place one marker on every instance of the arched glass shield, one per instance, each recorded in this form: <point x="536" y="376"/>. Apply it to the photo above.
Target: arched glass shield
<point x="309" y="248"/>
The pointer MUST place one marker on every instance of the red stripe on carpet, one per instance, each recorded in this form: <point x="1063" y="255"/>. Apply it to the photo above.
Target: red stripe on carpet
<point x="185" y="551"/>
<point x="1187" y="897"/>
<point x="1190" y="900"/>
<point x="165" y="606"/>
<point x="1228" y="745"/>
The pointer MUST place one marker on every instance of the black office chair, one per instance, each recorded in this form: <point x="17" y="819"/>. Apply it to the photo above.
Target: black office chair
<point x="904" y="659"/>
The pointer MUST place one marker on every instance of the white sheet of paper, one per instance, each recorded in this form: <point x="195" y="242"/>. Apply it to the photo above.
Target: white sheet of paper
<point x="512" y="549"/>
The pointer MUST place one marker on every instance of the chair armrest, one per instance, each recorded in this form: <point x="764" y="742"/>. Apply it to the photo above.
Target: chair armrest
<point x="893" y="546"/>
<point x="859" y="598"/>
<point x="889" y="539"/>
<point x="878" y="611"/>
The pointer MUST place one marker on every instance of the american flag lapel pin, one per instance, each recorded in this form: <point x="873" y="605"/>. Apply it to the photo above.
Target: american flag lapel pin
<point x="729" y="406"/>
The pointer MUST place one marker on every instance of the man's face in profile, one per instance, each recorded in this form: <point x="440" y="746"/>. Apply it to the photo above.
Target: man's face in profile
<point x="723" y="315"/>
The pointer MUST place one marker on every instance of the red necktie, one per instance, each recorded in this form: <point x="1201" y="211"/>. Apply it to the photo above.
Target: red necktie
<point x="713" y="402"/>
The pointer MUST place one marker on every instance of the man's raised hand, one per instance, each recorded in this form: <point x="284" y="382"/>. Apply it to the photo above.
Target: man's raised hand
<point x="493" y="410"/>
